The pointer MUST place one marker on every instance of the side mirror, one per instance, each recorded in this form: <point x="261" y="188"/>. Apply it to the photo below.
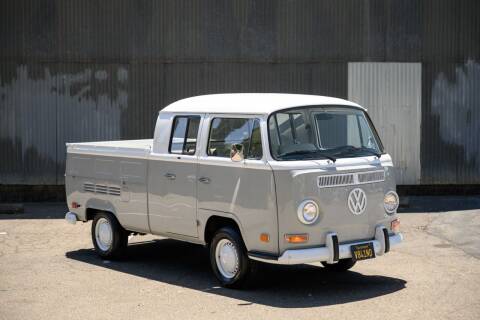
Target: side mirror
<point x="236" y="152"/>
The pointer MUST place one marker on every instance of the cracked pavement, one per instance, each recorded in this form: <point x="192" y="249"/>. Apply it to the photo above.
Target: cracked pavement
<point x="49" y="271"/>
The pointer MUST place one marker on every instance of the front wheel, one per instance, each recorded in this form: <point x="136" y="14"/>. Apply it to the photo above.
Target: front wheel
<point x="229" y="259"/>
<point x="340" y="266"/>
<point x="109" y="238"/>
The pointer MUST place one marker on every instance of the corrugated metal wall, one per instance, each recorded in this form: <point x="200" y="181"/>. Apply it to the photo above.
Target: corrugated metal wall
<point x="92" y="70"/>
<point x="451" y="123"/>
<point x="392" y="91"/>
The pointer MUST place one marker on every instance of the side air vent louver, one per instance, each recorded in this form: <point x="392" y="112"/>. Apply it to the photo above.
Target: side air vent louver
<point x="101" y="189"/>
<point x="348" y="179"/>
<point x="114" y="191"/>
<point x="89" y="187"/>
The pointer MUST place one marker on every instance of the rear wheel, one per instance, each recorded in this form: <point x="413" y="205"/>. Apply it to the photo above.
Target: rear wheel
<point x="341" y="266"/>
<point x="229" y="259"/>
<point x="109" y="238"/>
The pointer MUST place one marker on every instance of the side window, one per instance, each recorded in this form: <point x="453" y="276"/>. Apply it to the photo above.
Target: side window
<point x="255" y="151"/>
<point x="224" y="132"/>
<point x="184" y="135"/>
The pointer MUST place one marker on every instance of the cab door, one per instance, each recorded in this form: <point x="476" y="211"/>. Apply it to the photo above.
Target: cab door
<point x="172" y="181"/>
<point x="243" y="189"/>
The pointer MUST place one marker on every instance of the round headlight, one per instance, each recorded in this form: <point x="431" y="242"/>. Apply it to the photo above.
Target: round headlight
<point x="390" y="202"/>
<point x="307" y="212"/>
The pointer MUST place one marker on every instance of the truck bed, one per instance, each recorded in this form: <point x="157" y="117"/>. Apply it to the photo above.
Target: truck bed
<point x="130" y="148"/>
<point x="110" y="174"/>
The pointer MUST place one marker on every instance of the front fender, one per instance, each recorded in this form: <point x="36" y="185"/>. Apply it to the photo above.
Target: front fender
<point x="204" y="214"/>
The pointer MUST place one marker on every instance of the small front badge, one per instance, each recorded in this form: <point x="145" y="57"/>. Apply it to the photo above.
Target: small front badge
<point x="357" y="201"/>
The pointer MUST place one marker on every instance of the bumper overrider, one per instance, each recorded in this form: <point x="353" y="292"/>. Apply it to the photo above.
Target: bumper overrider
<point x="71" y="217"/>
<point x="332" y="251"/>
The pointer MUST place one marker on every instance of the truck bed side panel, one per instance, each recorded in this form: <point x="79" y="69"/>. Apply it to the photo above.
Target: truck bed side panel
<point x="111" y="183"/>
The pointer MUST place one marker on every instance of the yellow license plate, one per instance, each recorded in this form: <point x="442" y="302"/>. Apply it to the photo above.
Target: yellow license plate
<point x="363" y="251"/>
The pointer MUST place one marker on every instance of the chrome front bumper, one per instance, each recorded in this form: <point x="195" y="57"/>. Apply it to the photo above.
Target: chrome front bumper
<point x="333" y="252"/>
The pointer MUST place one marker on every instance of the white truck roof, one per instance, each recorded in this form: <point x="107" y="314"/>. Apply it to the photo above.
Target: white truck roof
<point x="235" y="103"/>
<point x="251" y="103"/>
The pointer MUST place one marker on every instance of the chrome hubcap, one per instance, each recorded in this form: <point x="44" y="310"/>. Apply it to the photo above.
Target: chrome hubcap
<point x="226" y="256"/>
<point x="103" y="234"/>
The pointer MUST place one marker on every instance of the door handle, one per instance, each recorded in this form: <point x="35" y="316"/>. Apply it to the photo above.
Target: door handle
<point x="204" y="180"/>
<point x="170" y="176"/>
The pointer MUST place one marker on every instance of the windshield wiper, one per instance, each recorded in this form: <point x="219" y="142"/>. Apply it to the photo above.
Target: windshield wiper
<point x="377" y="154"/>
<point x="364" y="149"/>
<point x="305" y="152"/>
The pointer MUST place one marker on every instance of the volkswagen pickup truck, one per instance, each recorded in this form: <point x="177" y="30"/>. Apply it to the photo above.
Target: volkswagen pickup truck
<point x="276" y="178"/>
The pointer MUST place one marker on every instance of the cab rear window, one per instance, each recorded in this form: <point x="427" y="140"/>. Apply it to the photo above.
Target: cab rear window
<point x="184" y="135"/>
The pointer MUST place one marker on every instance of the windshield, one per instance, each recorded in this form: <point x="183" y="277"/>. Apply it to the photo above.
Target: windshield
<point x="325" y="132"/>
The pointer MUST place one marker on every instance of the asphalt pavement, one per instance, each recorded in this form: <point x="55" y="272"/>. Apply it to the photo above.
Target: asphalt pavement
<point x="48" y="270"/>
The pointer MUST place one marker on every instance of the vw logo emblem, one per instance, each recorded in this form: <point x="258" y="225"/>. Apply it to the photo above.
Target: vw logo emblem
<point x="357" y="201"/>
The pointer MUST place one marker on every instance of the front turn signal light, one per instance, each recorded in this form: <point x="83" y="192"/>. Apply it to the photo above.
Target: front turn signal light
<point x="395" y="226"/>
<point x="296" y="238"/>
<point x="265" y="237"/>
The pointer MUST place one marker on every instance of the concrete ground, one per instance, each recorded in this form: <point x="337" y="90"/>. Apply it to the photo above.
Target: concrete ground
<point x="48" y="270"/>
